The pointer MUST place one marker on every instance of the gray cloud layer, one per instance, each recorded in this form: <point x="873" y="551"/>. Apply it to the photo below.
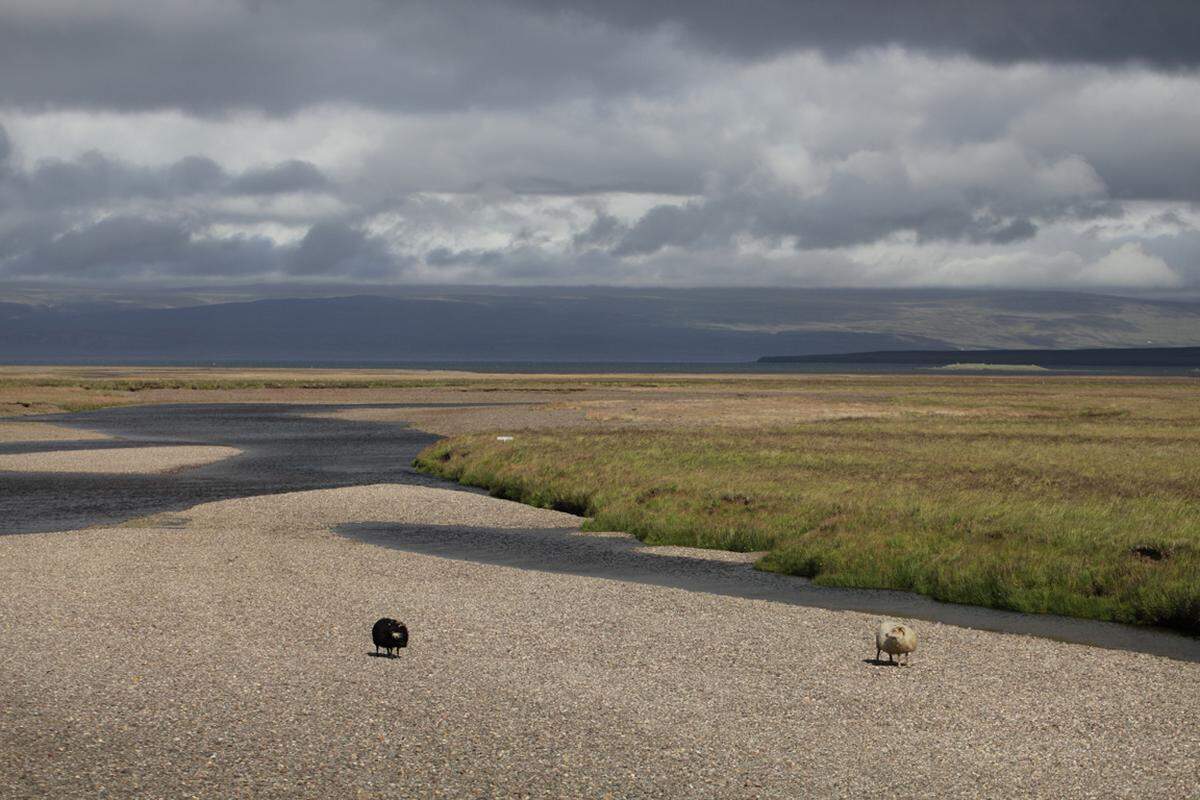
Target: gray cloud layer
<point x="95" y="177"/>
<point x="858" y="143"/>
<point x="281" y="56"/>
<point x="137" y="247"/>
<point x="1161" y="32"/>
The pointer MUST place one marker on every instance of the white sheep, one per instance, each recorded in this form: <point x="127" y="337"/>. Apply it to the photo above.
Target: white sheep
<point x="895" y="639"/>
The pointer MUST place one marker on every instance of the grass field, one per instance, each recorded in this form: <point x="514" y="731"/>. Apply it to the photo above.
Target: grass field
<point x="1071" y="496"/>
<point x="54" y="389"/>
<point x="1077" y="496"/>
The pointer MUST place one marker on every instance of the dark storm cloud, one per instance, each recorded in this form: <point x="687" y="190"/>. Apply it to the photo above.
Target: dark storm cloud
<point x="604" y="231"/>
<point x="1160" y="32"/>
<point x="1017" y="230"/>
<point x="281" y="56"/>
<point x="95" y="177"/>
<point x="336" y="248"/>
<point x="194" y="175"/>
<point x="124" y="247"/>
<point x="112" y="243"/>
<point x="138" y="247"/>
<point x="851" y="212"/>
<point x="1181" y="250"/>
<point x="290" y="176"/>
<point x="48" y="224"/>
<point x="665" y="226"/>
<point x="522" y="263"/>
<point x="85" y="180"/>
<point x="19" y="236"/>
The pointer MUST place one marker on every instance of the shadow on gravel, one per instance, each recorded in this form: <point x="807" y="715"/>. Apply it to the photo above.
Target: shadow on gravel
<point x="624" y="558"/>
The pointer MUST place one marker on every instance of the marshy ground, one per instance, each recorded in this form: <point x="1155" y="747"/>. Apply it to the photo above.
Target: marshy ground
<point x="1055" y="495"/>
<point x="1046" y="494"/>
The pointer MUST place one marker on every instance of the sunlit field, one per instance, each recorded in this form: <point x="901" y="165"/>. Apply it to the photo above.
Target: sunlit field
<point x="1072" y="496"/>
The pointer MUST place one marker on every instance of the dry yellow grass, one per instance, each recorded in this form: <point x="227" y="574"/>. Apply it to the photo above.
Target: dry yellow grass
<point x="1078" y="496"/>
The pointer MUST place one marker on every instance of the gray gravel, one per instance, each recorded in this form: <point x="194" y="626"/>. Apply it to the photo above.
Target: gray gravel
<point x="122" y="461"/>
<point x="22" y="431"/>
<point x="224" y="652"/>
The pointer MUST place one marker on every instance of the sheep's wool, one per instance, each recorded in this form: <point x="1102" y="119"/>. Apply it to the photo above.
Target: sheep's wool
<point x="895" y="638"/>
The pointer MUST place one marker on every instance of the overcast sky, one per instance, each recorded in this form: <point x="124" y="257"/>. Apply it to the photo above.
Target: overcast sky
<point x="689" y="142"/>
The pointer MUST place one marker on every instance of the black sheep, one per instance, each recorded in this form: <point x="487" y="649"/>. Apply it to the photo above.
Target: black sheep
<point x="389" y="634"/>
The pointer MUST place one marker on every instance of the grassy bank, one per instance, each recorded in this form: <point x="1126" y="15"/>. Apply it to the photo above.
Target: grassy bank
<point x="54" y="389"/>
<point x="1069" y="497"/>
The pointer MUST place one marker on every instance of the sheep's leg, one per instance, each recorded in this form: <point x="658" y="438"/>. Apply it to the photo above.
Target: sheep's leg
<point x="890" y="659"/>
<point x="877" y="652"/>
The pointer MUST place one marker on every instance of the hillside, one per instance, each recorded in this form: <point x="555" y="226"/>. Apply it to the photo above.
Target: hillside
<point x="1159" y="357"/>
<point x="573" y="324"/>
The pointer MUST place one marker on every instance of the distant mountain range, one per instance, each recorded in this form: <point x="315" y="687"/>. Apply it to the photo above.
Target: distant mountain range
<point x="570" y="324"/>
<point x="1158" y="357"/>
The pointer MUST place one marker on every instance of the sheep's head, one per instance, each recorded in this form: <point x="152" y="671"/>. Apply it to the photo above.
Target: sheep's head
<point x="895" y="637"/>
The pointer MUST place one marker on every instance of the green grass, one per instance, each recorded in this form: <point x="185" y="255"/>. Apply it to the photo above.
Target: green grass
<point x="1040" y="512"/>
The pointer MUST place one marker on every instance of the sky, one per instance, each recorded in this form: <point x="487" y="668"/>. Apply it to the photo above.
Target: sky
<point x="930" y="143"/>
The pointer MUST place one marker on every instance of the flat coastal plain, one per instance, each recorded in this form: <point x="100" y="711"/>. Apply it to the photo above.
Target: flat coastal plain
<point x="223" y="650"/>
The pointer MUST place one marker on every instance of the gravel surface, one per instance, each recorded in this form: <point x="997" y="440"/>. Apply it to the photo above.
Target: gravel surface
<point x="122" y="461"/>
<point x="19" y="431"/>
<point x="224" y="651"/>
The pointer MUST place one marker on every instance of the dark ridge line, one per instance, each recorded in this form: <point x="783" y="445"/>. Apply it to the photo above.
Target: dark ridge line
<point x="1149" y="357"/>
